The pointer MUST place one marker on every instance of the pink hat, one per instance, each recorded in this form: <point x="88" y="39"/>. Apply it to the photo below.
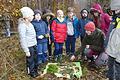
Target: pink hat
<point x="90" y="26"/>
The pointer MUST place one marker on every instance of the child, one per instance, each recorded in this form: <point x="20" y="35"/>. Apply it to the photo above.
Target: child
<point x="28" y="40"/>
<point x="101" y="19"/>
<point x="59" y="31"/>
<point x="48" y="17"/>
<point x="41" y="34"/>
<point x="72" y="32"/>
<point x="82" y="22"/>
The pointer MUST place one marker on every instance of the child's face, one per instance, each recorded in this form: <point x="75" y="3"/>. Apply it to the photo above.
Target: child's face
<point x="70" y="14"/>
<point x="96" y="14"/>
<point x="38" y="17"/>
<point x="30" y="18"/>
<point x="88" y="32"/>
<point x="60" y="14"/>
<point x="84" y="13"/>
<point x="48" y="17"/>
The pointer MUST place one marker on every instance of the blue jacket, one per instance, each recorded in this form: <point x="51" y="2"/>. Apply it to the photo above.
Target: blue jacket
<point x="75" y="25"/>
<point x="82" y="23"/>
<point x="41" y="29"/>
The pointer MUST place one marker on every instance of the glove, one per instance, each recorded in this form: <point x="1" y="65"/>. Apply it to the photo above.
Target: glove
<point x="46" y="35"/>
<point x="41" y="37"/>
<point x="28" y="54"/>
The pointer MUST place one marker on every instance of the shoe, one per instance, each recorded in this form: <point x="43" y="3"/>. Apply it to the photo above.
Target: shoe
<point x="50" y="58"/>
<point x="56" y="58"/>
<point x="34" y="75"/>
<point x="60" y="57"/>
<point x="72" y="58"/>
<point x="39" y="62"/>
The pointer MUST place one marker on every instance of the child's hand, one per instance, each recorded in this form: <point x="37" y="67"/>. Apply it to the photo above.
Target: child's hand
<point x="87" y="46"/>
<point x="46" y="35"/>
<point x="28" y="54"/>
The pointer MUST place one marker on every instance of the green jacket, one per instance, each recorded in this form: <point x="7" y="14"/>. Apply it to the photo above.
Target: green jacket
<point x="95" y="40"/>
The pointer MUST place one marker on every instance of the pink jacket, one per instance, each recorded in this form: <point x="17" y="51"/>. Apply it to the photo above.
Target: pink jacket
<point x="104" y="18"/>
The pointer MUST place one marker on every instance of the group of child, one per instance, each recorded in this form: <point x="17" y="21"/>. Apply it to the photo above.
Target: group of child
<point x="37" y="35"/>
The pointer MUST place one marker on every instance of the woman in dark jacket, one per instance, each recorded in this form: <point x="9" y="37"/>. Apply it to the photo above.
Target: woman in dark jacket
<point x="93" y="42"/>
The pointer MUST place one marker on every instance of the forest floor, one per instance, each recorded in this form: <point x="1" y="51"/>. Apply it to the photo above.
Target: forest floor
<point x="13" y="67"/>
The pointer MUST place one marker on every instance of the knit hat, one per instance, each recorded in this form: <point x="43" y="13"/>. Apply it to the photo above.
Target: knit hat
<point x="47" y="12"/>
<point x="115" y="5"/>
<point x="90" y="26"/>
<point x="26" y="12"/>
<point x="37" y="11"/>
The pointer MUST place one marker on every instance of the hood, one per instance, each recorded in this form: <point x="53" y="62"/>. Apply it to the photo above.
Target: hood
<point x="97" y="7"/>
<point x="48" y="12"/>
<point x="21" y="20"/>
<point x="83" y="10"/>
<point x="36" y="21"/>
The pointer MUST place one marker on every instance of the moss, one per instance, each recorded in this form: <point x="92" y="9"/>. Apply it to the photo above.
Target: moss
<point x="52" y="68"/>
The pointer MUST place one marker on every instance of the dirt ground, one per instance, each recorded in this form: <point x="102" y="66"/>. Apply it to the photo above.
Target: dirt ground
<point x="12" y="63"/>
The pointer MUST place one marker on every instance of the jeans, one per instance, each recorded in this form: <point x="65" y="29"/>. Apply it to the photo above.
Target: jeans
<point x="113" y="69"/>
<point x="31" y="61"/>
<point x="42" y="52"/>
<point x="70" y="45"/>
<point x="58" y="48"/>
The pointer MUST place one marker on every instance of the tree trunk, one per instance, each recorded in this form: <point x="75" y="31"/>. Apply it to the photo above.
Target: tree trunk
<point x="24" y="2"/>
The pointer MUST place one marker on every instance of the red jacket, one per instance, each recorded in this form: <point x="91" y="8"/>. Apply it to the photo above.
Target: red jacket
<point x="59" y="30"/>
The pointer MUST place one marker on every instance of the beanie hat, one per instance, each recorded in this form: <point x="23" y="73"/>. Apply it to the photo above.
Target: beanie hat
<point x="37" y="11"/>
<point x="90" y="26"/>
<point x="26" y="12"/>
<point x="115" y="4"/>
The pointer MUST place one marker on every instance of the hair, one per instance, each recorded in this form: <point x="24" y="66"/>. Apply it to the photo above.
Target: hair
<point x="58" y="11"/>
<point x="70" y="9"/>
<point x="83" y="10"/>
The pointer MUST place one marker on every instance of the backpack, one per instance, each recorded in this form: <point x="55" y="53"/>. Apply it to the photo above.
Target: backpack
<point x="102" y="59"/>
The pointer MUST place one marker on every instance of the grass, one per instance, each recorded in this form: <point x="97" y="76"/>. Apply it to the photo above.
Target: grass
<point x="12" y="63"/>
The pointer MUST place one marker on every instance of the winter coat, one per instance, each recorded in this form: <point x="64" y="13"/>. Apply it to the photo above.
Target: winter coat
<point x="59" y="30"/>
<point x="27" y="35"/>
<point x="82" y="23"/>
<point x="75" y="25"/>
<point x="95" y="40"/>
<point x="113" y="47"/>
<point x="104" y="19"/>
<point x="41" y="29"/>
